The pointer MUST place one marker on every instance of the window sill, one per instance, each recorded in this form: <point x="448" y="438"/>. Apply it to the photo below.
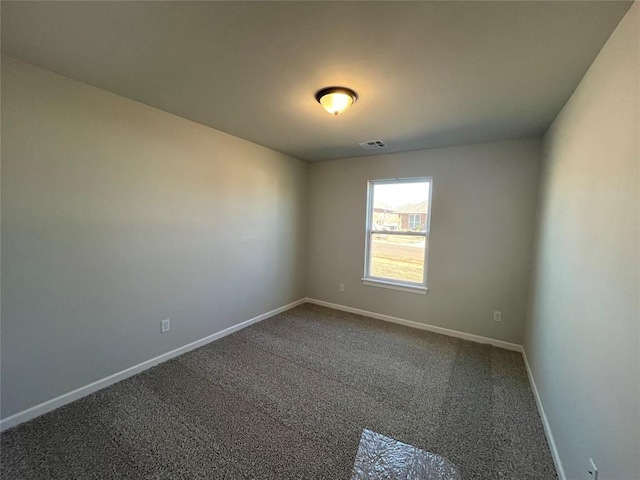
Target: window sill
<point x="403" y="287"/>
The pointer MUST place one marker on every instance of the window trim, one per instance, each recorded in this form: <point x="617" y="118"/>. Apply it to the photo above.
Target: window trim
<point x="394" y="284"/>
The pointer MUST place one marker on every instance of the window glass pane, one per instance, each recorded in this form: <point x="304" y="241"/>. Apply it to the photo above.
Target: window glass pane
<point x="400" y="207"/>
<point x="397" y="257"/>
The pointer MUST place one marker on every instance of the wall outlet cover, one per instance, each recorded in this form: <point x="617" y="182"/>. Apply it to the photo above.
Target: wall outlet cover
<point x="165" y="325"/>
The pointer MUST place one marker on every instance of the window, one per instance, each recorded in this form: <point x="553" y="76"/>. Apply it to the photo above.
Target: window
<point x="414" y="221"/>
<point x="398" y="214"/>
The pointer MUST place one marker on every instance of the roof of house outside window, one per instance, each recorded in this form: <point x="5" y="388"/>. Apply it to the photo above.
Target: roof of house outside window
<point x="412" y="208"/>
<point x="384" y="207"/>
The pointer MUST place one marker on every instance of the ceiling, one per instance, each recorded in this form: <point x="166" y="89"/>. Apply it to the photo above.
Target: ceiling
<point x="428" y="74"/>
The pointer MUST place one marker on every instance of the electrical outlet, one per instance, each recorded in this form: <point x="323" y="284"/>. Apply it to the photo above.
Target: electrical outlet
<point x="497" y="316"/>
<point x="593" y="471"/>
<point x="342" y="287"/>
<point x="165" y="325"/>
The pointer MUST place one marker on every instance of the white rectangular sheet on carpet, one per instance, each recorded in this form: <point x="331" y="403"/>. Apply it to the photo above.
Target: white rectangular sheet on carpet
<point x="381" y="457"/>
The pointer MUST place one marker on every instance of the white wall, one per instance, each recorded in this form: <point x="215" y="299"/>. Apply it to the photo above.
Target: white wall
<point x="583" y="335"/>
<point x="115" y="216"/>
<point x="483" y="211"/>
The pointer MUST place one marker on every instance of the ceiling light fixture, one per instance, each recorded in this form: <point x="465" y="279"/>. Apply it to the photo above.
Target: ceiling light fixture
<point x="336" y="100"/>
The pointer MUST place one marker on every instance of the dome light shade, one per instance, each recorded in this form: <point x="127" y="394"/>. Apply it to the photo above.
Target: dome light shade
<point x="336" y="100"/>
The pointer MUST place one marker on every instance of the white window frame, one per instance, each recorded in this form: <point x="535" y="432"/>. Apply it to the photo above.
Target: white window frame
<point x="394" y="284"/>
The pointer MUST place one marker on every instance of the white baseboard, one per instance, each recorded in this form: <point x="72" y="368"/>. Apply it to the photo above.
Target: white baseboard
<point x="422" y="326"/>
<point x="78" y="393"/>
<point x="545" y="422"/>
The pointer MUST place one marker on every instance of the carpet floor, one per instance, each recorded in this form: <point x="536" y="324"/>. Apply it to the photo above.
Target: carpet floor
<point x="288" y="398"/>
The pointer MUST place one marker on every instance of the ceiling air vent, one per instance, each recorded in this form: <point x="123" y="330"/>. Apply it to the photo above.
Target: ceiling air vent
<point x="373" y="145"/>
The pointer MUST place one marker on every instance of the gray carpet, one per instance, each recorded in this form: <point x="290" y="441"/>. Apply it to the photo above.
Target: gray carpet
<point x="288" y="398"/>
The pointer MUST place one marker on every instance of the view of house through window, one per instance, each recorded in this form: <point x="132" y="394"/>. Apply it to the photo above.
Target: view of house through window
<point x="398" y="231"/>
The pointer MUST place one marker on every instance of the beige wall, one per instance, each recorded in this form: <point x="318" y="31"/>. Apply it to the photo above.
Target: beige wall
<point x="582" y="339"/>
<point x="484" y="200"/>
<point x="115" y="216"/>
